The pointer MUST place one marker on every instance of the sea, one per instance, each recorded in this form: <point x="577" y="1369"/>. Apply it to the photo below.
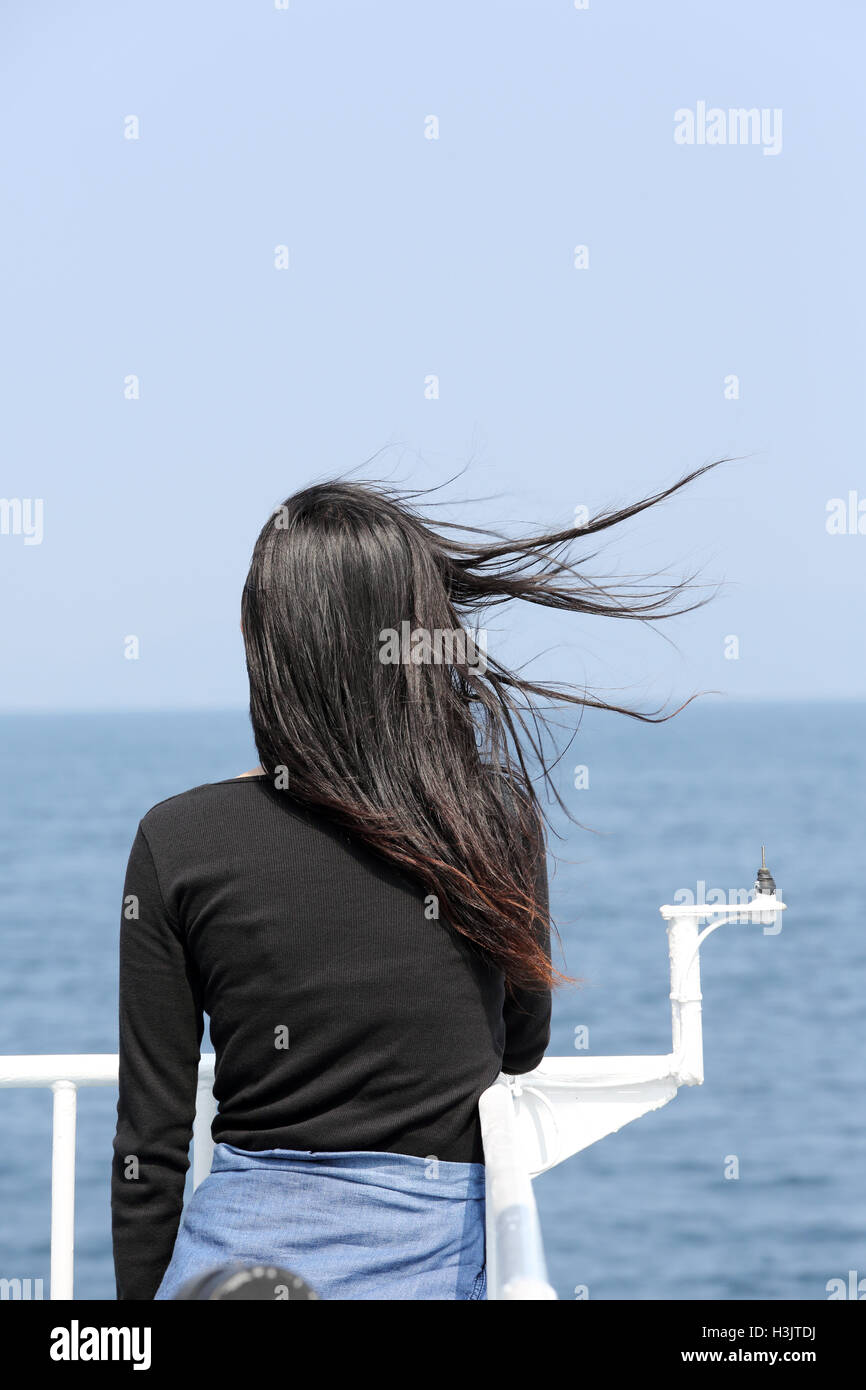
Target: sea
<point x="748" y="1187"/>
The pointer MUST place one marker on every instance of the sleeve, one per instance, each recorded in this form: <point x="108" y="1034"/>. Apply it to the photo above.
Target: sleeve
<point x="161" y="1026"/>
<point x="527" y="1012"/>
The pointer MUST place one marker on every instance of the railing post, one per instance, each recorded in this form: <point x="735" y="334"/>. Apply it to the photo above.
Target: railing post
<point x="63" y="1188"/>
<point x="515" y="1255"/>
<point x="686" y="1026"/>
<point x="202" y="1142"/>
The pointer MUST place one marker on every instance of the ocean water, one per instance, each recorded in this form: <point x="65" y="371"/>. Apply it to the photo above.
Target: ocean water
<point x="651" y="1212"/>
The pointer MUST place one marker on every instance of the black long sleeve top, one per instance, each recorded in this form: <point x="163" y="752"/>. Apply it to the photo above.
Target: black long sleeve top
<point x="342" y="1016"/>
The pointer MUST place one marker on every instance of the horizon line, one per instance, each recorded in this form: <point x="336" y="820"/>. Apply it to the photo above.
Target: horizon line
<point x="93" y="710"/>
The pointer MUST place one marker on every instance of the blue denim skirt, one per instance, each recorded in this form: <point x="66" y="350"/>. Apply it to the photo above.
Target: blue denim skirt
<point x="354" y="1225"/>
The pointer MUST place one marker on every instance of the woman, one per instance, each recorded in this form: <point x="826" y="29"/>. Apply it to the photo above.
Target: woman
<point x="363" y="918"/>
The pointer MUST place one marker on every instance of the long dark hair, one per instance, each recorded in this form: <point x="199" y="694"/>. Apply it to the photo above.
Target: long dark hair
<point x="423" y="760"/>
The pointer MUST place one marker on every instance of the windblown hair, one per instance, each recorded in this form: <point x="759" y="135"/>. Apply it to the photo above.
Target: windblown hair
<point x="424" y="761"/>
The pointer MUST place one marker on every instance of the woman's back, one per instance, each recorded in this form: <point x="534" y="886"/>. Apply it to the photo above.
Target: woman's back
<point x="344" y="1014"/>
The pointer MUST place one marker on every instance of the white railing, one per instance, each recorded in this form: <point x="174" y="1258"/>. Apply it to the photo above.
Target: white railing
<point x="63" y="1074"/>
<point x="516" y="1267"/>
<point x="529" y="1123"/>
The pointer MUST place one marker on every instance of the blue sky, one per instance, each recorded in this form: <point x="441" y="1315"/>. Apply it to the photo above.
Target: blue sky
<point x="408" y="257"/>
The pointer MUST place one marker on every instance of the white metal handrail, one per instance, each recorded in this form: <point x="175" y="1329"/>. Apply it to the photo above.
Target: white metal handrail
<point x="516" y="1268"/>
<point x="529" y="1123"/>
<point x="63" y="1074"/>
